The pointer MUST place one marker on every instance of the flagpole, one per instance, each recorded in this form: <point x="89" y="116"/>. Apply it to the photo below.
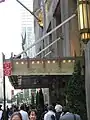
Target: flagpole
<point x="28" y="9"/>
<point x="44" y="23"/>
<point x="48" y="53"/>
<point x="47" y="34"/>
<point x="47" y="47"/>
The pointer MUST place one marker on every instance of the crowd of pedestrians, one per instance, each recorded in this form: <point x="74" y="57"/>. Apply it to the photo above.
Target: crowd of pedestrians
<point x="49" y="112"/>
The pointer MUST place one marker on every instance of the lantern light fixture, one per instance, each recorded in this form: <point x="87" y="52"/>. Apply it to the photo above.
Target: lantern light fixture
<point x="48" y="61"/>
<point x="38" y="62"/>
<point x="64" y="61"/>
<point x="17" y="63"/>
<point x="69" y="61"/>
<point x="84" y="19"/>
<point x="32" y="62"/>
<point x="22" y="62"/>
<point x="73" y="61"/>
<point x="54" y="61"/>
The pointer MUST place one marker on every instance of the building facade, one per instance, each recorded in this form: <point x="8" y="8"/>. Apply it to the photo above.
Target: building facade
<point x="56" y="11"/>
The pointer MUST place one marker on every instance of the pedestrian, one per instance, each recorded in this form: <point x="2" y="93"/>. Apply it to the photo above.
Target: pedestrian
<point x="24" y="114"/>
<point x="67" y="115"/>
<point x="58" y="109"/>
<point x="45" y="111"/>
<point x="11" y="111"/>
<point x="50" y="115"/>
<point x="7" y="113"/>
<point x="32" y="115"/>
<point x="16" y="116"/>
<point x="39" y="112"/>
<point x="1" y="112"/>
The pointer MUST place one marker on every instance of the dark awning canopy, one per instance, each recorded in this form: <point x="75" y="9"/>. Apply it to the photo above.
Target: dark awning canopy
<point x="33" y="81"/>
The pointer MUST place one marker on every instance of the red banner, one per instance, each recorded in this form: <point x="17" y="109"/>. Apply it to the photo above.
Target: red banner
<point x="7" y="68"/>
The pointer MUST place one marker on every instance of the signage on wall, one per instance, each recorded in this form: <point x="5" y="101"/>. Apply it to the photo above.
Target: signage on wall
<point x="7" y="66"/>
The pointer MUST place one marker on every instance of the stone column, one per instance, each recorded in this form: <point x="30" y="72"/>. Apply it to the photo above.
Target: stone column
<point x="87" y="78"/>
<point x="65" y="28"/>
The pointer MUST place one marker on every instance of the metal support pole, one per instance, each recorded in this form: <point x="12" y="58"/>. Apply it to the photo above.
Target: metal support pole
<point x="44" y="22"/>
<point x="47" y="47"/>
<point x="4" y="95"/>
<point x="48" y="53"/>
<point x="28" y="10"/>
<point x="47" y="34"/>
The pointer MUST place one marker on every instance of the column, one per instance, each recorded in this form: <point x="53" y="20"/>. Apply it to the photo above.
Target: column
<point x="87" y="78"/>
<point x="65" y="28"/>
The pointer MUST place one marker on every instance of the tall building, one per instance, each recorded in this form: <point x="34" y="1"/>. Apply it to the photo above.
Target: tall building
<point x="27" y="26"/>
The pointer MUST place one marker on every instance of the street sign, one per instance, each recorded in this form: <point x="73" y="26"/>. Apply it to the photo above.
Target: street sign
<point x="7" y="68"/>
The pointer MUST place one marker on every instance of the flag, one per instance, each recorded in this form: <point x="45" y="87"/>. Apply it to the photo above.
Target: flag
<point x="2" y="1"/>
<point x="24" y="39"/>
<point x="40" y="15"/>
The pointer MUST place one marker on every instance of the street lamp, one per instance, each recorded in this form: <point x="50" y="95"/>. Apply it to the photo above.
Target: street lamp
<point x="84" y="27"/>
<point x="84" y="19"/>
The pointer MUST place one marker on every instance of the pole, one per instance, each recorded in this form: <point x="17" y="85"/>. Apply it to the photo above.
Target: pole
<point x="47" y="34"/>
<point x="28" y="10"/>
<point x="48" y="53"/>
<point x="4" y="96"/>
<point x="44" y="21"/>
<point x="47" y="47"/>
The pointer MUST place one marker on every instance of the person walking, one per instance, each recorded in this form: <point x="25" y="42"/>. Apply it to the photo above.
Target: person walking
<point x="1" y="112"/>
<point x="24" y="114"/>
<point x="50" y="115"/>
<point x="67" y="115"/>
<point x="32" y="115"/>
<point x="45" y="111"/>
<point x="16" y="116"/>
<point x="58" y="109"/>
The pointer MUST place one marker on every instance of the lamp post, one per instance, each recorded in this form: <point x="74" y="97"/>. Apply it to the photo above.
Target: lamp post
<point x="84" y="27"/>
<point x="84" y="19"/>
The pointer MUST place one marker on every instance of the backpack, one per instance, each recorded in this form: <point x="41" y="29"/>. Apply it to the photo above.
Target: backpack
<point x="42" y="116"/>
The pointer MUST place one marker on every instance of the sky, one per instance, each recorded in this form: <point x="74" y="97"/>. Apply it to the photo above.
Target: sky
<point x="10" y="30"/>
<point x="10" y="27"/>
